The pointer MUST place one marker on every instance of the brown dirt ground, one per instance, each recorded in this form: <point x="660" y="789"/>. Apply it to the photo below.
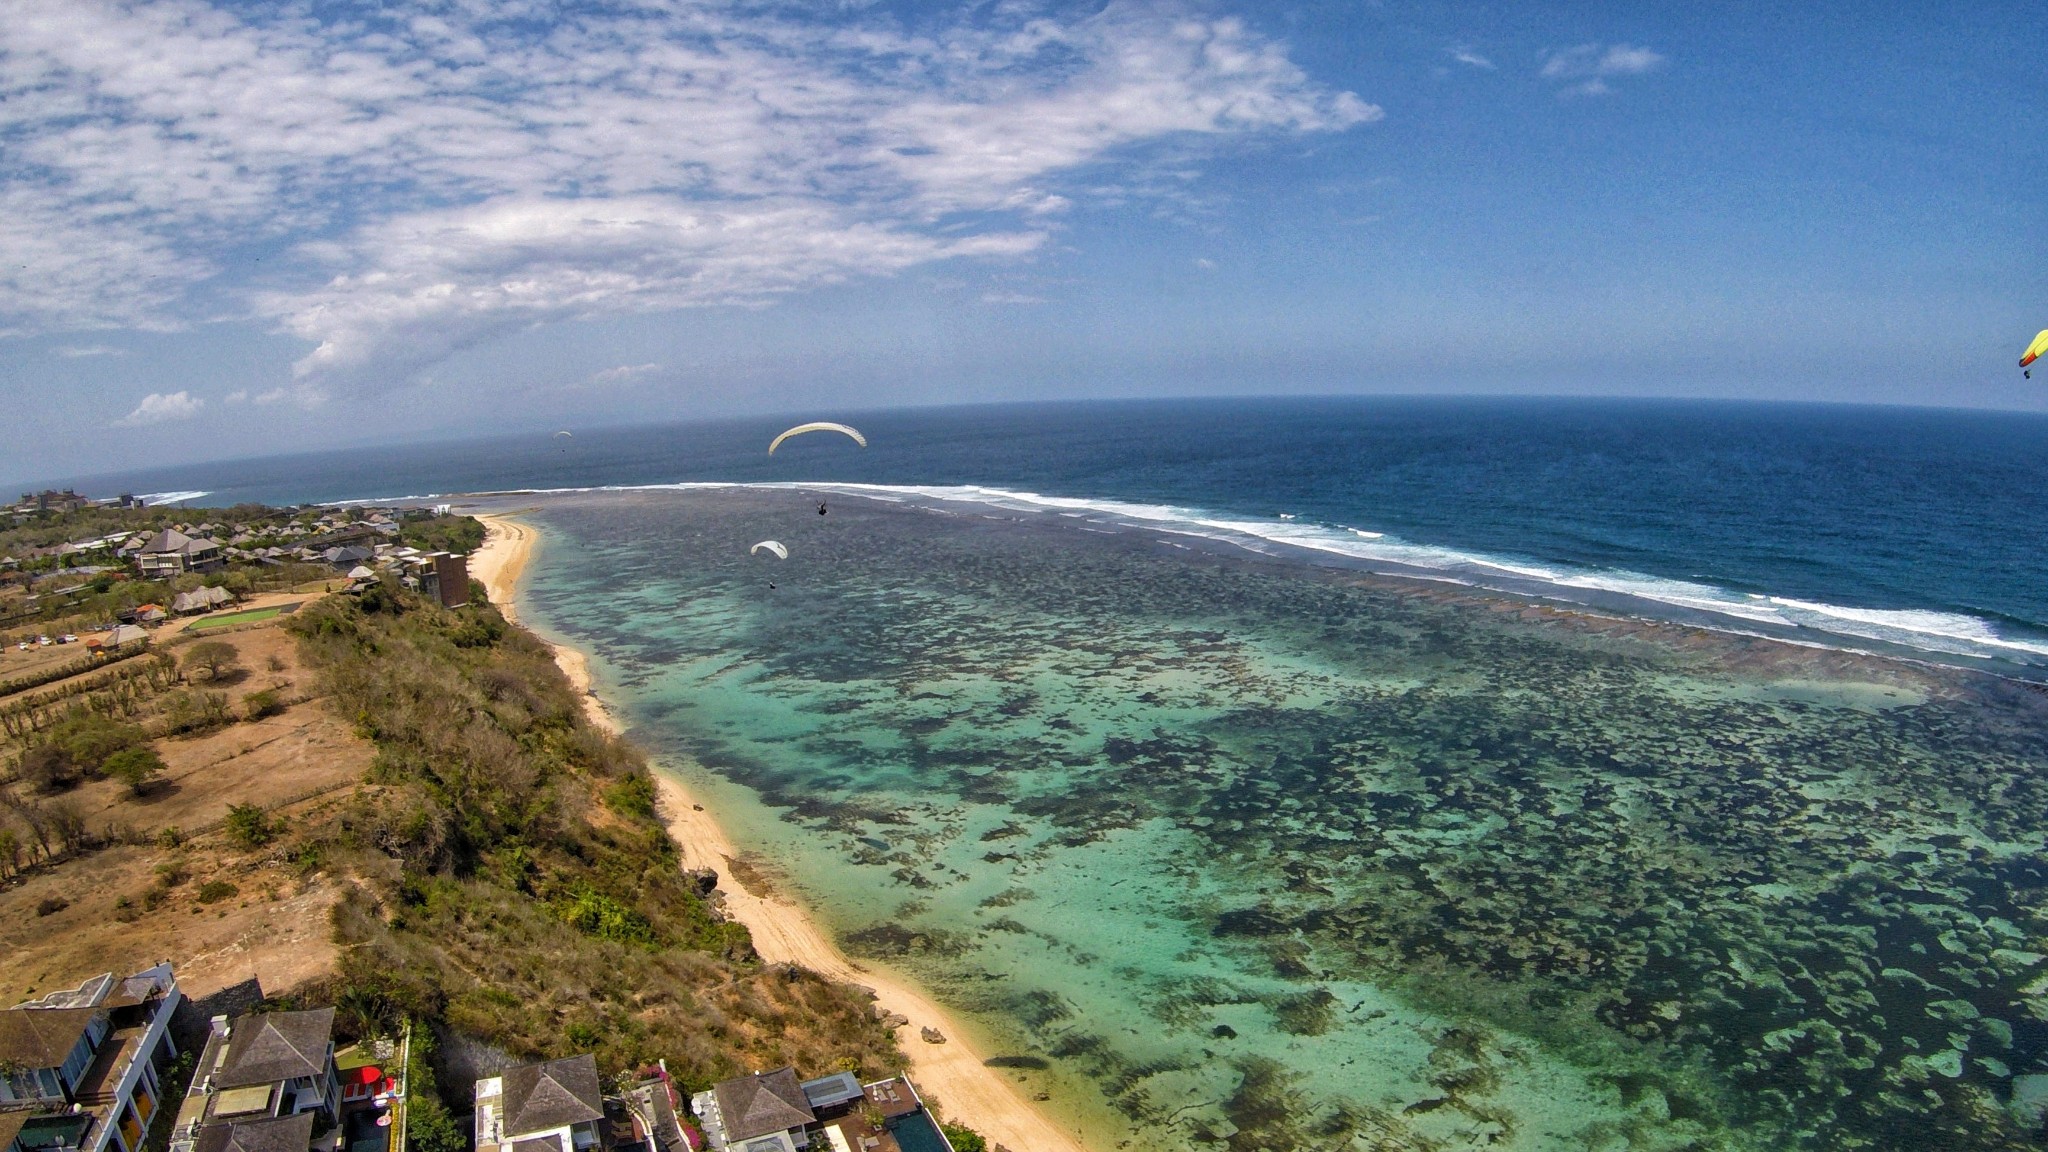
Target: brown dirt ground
<point x="299" y="764"/>
<point x="14" y="663"/>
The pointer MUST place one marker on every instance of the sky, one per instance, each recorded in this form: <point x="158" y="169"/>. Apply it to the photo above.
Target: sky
<point x="230" y="230"/>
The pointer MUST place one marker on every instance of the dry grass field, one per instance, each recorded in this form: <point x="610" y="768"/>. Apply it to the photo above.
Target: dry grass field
<point x="167" y="880"/>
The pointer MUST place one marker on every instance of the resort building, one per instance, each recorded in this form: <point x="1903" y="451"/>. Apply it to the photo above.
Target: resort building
<point x="172" y="553"/>
<point x="80" y="1069"/>
<point x="560" y="1106"/>
<point x="773" y="1112"/>
<point x="200" y="600"/>
<point x="261" y="1081"/>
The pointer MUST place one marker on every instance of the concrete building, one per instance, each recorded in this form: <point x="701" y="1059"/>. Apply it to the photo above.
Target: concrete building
<point x="276" y="1066"/>
<point x="560" y="1106"/>
<point x="772" y="1112"/>
<point x="172" y="553"/>
<point x="80" y="1069"/>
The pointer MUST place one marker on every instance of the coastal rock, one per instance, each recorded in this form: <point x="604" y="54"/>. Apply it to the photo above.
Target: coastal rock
<point x="932" y="1035"/>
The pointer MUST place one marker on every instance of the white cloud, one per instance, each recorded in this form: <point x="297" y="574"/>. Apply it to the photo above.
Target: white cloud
<point x="1470" y="58"/>
<point x="238" y="396"/>
<point x="621" y="372"/>
<point x="76" y="351"/>
<point x="1587" y="68"/>
<point x="1008" y="297"/>
<point x="1204" y="263"/>
<point x="437" y="173"/>
<point x="158" y="407"/>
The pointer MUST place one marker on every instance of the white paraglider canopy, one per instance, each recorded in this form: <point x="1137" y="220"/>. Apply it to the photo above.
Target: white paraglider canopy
<point x="775" y="546"/>
<point x="820" y="426"/>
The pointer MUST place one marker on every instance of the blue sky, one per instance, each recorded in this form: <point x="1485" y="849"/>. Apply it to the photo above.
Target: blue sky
<point x="240" y="229"/>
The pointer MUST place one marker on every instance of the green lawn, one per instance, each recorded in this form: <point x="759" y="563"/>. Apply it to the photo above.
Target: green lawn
<point x="248" y="617"/>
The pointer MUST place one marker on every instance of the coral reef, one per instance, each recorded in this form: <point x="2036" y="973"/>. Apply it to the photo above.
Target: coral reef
<point x="1276" y="857"/>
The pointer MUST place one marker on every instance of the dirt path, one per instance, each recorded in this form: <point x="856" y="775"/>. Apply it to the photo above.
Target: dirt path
<point x="785" y="932"/>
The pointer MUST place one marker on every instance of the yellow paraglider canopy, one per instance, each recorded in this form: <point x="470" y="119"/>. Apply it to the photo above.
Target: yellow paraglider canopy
<point x="820" y="426"/>
<point x="2037" y="349"/>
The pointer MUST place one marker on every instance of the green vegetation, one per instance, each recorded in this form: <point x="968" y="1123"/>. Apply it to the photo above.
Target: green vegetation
<point x="196" y="710"/>
<point x="264" y="702"/>
<point x="77" y="747"/>
<point x="430" y="533"/>
<point x="429" y="1126"/>
<point x="233" y="618"/>
<point x="137" y="767"/>
<point x="963" y="1138"/>
<point x="215" y="891"/>
<point x="248" y="826"/>
<point x="216" y="658"/>
<point x="513" y="881"/>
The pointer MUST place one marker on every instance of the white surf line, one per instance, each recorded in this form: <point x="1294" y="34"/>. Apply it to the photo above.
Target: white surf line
<point x="1923" y="630"/>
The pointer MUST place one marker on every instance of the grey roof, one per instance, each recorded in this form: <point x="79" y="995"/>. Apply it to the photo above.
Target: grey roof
<point x="762" y="1103"/>
<point x="41" y="1037"/>
<point x="552" y="1094"/>
<point x="277" y="1046"/>
<point x="168" y="540"/>
<point x="285" y="1134"/>
<point x="538" y="1144"/>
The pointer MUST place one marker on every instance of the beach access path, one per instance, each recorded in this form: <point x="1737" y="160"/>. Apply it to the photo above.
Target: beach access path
<point x="784" y="932"/>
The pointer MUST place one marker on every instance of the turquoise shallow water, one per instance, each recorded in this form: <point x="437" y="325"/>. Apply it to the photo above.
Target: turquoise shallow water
<point x="1230" y="851"/>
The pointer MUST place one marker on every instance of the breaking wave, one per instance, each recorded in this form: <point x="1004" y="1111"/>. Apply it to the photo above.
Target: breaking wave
<point x="1913" y="630"/>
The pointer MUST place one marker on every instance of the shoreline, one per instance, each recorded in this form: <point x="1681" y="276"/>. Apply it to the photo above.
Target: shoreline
<point x="785" y="932"/>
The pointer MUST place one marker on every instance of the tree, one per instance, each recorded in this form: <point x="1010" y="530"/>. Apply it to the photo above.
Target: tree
<point x="10" y="852"/>
<point x="136" y="767"/>
<point x="48" y="768"/>
<point x="217" y="658"/>
<point x="68" y="824"/>
<point x="248" y="826"/>
<point x="88" y="738"/>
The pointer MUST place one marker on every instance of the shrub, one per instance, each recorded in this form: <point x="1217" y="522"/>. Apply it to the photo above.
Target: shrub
<point x="248" y="826"/>
<point x="633" y="796"/>
<point x="50" y="905"/>
<point x="275" y="662"/>
<point x="216" y="658"/>
<point x="138" y="768"/>
<point x="171" y="836"/>
<point x="215" y="891"/>
<point x="257" y="705"/>
<point x="595" y="914"/>
<point x="963" y="1138"/>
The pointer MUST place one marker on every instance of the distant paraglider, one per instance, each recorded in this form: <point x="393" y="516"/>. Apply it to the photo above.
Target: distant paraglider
<point x="820" y="426"/>
<point x="775" y="546"/>
<point x="2035" y="351"/>
<point x="566" y="432"/>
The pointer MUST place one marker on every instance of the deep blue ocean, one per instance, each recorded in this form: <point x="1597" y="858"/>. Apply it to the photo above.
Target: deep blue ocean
<point x="1914" y="530"/>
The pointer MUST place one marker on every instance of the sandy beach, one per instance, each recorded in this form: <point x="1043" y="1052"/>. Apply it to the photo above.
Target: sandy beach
<point x="952" y="1073"/>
